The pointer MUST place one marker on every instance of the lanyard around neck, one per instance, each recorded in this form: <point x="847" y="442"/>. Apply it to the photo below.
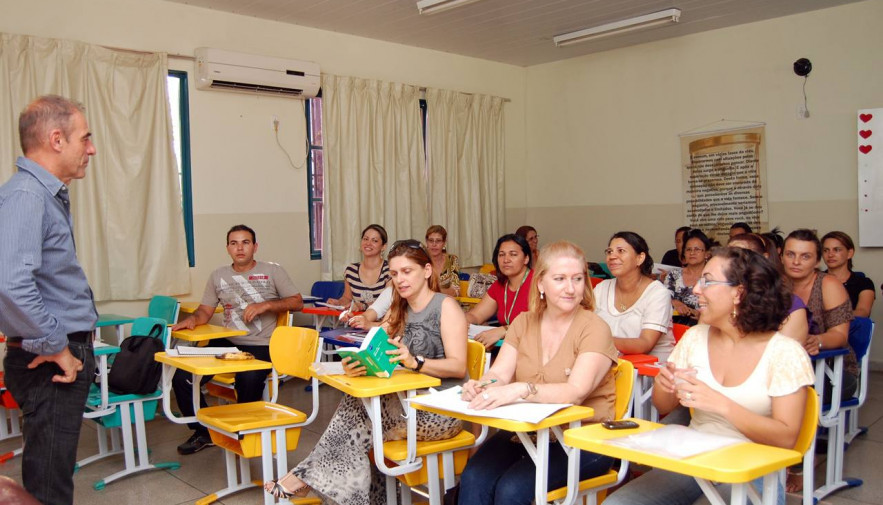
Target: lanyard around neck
<point x="514" y="300"/>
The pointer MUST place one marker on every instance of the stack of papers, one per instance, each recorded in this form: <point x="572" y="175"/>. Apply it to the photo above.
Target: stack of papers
<point x="527" y="412"/>
<point x="330" y="306"/>
<point x="675" y="441"/>
<point x="475" y="329"/>
<point x="190" y="351"/>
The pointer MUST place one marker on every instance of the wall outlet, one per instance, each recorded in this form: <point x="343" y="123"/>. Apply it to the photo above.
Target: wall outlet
<point x="275" y="122"/>
<point x="802" y="112"/>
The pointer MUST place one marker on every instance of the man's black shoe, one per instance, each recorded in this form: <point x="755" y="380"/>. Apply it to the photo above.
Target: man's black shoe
<point x="196" y="443"/>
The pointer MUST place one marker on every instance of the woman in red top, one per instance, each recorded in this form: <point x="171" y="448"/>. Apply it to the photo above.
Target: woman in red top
<point x="507" y="297"/>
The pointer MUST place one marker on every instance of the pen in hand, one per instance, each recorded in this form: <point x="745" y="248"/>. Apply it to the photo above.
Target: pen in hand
<point x="486" y="384"/>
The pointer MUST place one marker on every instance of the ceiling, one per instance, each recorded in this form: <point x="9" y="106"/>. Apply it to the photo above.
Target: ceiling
<point x="518" y="32"/>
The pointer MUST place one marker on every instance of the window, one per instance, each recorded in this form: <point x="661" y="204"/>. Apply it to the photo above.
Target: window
<point x="179" y="104"/>
<point x="315" y="175"/>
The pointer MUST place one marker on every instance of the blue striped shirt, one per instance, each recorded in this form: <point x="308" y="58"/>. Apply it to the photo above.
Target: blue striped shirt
<point x="44" y="294"/>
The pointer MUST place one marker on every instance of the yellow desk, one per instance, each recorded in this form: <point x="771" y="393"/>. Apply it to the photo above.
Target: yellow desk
<point x="200" y="366"/>
<point x="404" y="383"/>
<point x="539" y="452"/>
<point x="206" y="332"/>
<point x="190" y="307"/>
<point x="737" y="464"/>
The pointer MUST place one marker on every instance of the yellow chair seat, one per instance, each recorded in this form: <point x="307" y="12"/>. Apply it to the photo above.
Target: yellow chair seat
<point x="225" y="378"/>
<point x="397" y="450"/>
<point x="238" y="417"/>
<point x="602" y="480"/>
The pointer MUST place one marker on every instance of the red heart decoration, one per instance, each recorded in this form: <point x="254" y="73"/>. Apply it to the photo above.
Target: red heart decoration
<point x="865" y="133"/>
<point x="865" y="117"/>
<point x="865" y="149"/>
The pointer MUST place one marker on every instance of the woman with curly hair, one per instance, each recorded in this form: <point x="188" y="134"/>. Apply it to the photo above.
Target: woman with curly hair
<point x="735" y="371"/>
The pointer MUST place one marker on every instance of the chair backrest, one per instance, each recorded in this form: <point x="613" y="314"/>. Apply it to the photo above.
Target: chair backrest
<point x="475" y="359"/>
<point x="624" y="378"/>
<point x="810" y="422"/>
<point x="678" y="330"/>
<point x="595" y="281"/>
<point x="487" y="268"/>
<point x="164" y="307"/>
<point x="861" y="329"/>
<point x="327" y="289"/>
<point x="141" y="328"/>
<point x="293" y="349"/>
<point x="284" y="318"/>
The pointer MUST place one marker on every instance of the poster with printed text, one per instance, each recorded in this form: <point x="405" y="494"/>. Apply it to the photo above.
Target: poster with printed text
<point x="724" y="180"/>
<point x="869" y="149"/>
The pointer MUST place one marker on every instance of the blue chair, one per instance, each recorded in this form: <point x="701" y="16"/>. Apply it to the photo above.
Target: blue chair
<point x="118" y="412"/>
<point x="327" y="289"/>
<point x="861" y="331"/>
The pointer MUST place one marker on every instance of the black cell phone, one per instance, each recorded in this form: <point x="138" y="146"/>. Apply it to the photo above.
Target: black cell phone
<point x="619" y="425"/>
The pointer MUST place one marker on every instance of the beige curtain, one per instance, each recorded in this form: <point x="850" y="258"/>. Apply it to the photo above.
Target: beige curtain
<point x="127" y="212"/>
<point x="466" y="165"/>
<point x="374" y="165"/>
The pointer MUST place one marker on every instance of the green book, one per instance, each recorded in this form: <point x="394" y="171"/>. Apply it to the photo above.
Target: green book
<point x="372" y="353"/>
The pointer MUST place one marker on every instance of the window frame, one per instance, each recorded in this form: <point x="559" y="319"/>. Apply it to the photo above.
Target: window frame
<point x="186" y="180"/>
<point x="315" y="251"/>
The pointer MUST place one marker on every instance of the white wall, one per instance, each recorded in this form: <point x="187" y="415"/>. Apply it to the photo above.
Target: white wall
<point x="239" y="174"/>
<point x="602" y="130"/>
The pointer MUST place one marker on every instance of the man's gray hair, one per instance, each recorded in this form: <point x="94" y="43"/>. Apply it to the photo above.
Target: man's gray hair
<point x="43" y="115"/>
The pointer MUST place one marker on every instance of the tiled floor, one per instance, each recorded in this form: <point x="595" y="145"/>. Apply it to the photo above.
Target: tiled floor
<point x="203" y="473"/>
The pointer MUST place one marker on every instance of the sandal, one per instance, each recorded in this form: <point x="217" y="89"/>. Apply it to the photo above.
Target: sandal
<point x="794" y="482"/>
<point x="275" y="488"/>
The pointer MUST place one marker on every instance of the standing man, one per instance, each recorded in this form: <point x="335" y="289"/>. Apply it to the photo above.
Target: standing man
<point x="252" y="294"/>
<point x="46" y="307"/>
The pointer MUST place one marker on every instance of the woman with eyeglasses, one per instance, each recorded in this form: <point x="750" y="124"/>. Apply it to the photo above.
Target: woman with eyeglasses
<point x="364" y="280"/>
<point x="559" y="351"/>
<point x="429" y="332"/>
<point x="740" y="377"/>
<point x="837" y="251"/>
<point x="529" y="233"/>
<point x="694" y="254"/>
<point x="446" y="266"/>
<point x="635" y="305"/>
<point x="508" y="297"/>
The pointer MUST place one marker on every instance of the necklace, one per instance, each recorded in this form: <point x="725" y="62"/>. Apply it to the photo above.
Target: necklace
<point x="624" y="306"/>
<point x="506" y="297"/>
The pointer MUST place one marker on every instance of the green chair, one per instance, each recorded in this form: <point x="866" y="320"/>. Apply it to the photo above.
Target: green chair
<point x="117" y="413"/>
<point x="164" y="307"/>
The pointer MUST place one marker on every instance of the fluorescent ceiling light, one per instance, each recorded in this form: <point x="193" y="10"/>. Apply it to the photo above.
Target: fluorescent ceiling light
<point x="434" y="6"/>
<point x="619" y="27"/>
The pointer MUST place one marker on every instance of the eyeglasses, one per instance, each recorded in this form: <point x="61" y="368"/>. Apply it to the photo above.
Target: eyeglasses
<point x="694" y="250"/>
<point x="409" y="243"/>
<point x="435" y="241"/>
<point x="705" y="282"/>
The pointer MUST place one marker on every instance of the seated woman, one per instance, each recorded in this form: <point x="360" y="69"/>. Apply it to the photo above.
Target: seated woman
<point x="529" y="233"/>
<point x="826" y="299"/>
<point x="429" y="330"/>
<point x="366" y="279"/>
<point x="748" y="381"/>
<point x="796" y="325"/>
<point x="557" y="352"/>
<point x="837" y="250"/>
<point x="446" y="266"/>
<point x="695" y="252"/>
<point x="509" y="295"/>
<point x="637" y="307"/>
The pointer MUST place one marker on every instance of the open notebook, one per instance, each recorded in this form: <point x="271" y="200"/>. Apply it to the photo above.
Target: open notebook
<point x="675" y="441"/>
<point x="184" y="351"/>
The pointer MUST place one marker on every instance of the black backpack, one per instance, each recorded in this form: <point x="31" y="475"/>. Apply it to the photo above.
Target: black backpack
<point x="134" y="370"/>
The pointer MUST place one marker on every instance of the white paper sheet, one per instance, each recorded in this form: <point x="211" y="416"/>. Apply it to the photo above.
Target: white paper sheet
<point x="185" y="351"/>
<point x="475" y="329"/>
<point x="329" y="368"/>
<point x="528" y="412"/>
<point x="675" y="441"/>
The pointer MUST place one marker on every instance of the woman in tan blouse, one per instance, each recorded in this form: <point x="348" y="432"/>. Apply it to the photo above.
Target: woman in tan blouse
<point x="559" y="351"/>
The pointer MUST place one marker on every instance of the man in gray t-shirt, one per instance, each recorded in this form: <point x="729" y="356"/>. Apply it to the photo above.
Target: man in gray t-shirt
<point x="252" y="293"/>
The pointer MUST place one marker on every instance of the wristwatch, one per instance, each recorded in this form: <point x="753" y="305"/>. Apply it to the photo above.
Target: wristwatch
<point x="420" y="360"/>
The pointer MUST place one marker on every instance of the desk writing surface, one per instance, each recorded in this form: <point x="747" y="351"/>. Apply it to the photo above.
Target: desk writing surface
<point x="322" y="311"/>
<point x="734" y="464"/>
<point x="207" y="332"/>
<point x="190" y="307"/>
<point x="366" y="387"/>
<point x="210" y="365"/>
<point x="563" y="416"/>
<point x="112" y="320"/>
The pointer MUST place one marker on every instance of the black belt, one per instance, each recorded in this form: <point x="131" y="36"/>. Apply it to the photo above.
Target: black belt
<point x="80" y="337"/>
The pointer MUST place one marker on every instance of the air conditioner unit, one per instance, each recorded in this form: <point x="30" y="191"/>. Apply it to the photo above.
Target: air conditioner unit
<point x="231" y="71"/>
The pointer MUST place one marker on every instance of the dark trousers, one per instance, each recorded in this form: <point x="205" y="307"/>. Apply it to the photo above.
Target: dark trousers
<point x="53" y="415"/>
<point x="249" y="385"/>
<point x="501" y="472"/>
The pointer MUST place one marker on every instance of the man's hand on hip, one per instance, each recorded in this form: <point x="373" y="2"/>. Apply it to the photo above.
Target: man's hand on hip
<point x="65" y="360"/>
